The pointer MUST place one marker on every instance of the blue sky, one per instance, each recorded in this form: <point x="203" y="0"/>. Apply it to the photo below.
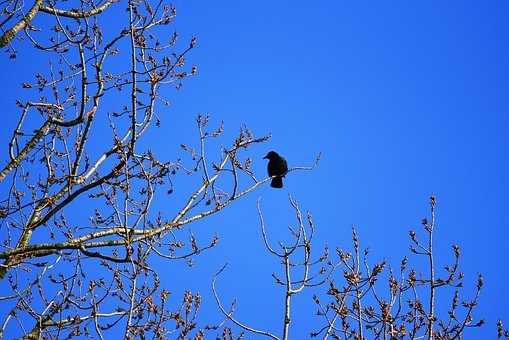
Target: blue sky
<point x="403" y="99"/>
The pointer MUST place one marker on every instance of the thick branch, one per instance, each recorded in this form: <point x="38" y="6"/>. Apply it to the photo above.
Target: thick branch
<point x="75" y="14"/>
<point x="41" y="132"/>
<point x="11" y="33"/>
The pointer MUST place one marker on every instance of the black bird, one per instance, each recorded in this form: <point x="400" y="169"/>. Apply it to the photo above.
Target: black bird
<point x="277" y="167"/>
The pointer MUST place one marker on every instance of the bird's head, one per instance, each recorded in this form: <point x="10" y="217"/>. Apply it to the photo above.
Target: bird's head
<point x="271" y="155"/>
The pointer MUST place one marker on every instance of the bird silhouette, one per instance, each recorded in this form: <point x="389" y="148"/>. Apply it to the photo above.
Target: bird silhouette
<point x="277" y="167"/>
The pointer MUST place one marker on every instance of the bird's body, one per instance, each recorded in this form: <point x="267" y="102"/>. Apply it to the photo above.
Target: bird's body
<point x="277" y="167"/>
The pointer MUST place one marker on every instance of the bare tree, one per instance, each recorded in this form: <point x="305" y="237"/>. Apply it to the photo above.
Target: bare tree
<point x="371" y="301"/>
<point x="78" y="145"/>
<point x="296" y="258"/>
<point x="359" y="305"/>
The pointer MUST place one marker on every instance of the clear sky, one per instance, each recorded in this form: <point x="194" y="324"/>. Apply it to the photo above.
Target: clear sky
<point x="402" y="98"/>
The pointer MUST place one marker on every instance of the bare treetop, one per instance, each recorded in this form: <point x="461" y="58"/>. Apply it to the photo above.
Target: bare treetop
<point x="77" y="148"/>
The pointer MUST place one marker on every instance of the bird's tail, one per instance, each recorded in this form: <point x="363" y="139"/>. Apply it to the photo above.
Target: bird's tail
<point x="277" y="182"/>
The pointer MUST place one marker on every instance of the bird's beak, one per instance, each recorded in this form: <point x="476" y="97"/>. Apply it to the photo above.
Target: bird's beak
<point x="265" y="157"/>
